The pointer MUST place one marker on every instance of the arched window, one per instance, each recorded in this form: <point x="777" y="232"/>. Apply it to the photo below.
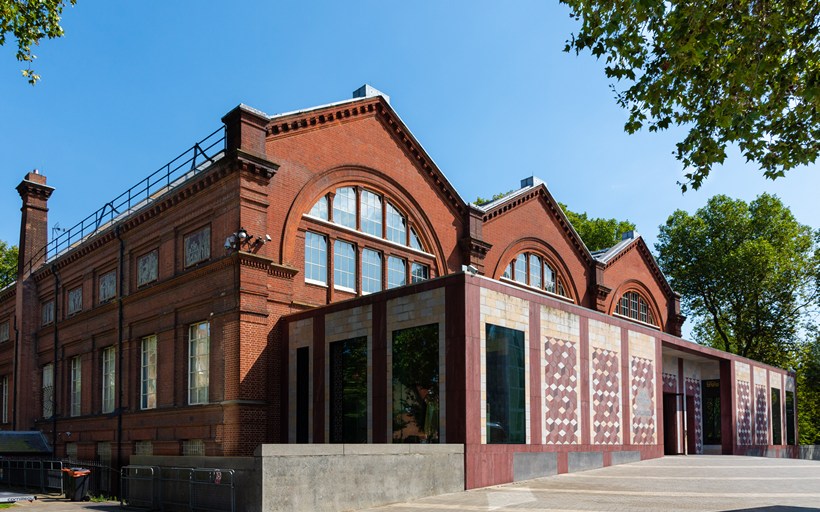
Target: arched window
<point x="533" y="270"/>
<point x="633" y="305"/>
<point x="362" y="232"/>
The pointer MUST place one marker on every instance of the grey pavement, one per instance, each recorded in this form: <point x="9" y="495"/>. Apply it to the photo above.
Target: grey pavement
<point x="700" y="482"/>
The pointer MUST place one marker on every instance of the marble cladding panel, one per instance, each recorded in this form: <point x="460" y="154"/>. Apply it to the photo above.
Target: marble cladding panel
<point x="744" y="413"/>
<point x="562" y="376"/>
<point x="743" y="371"/>
<point x="670" y="365"/>
<point x="760" y="375"/>
<point x="644" y="413"/>
<point x="710" y="370"/>
<point x="761" y="415"/>
<point x="604" y="336"/>
<point x="691" y="369"/>
<point x="606" y="396"/>
<point x="776" y="380"/>
<point x="693" y="388"/>
<point x="513" y="313"/>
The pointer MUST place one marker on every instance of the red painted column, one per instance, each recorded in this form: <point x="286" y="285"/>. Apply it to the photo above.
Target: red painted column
<point x="583" y="415"/>
<point x="626" y="389"/>
<point x="536" y="376"/>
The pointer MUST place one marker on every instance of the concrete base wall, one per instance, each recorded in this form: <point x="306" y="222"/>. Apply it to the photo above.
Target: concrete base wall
<point x="810" y="452"/>
<point x="331" y="477"/>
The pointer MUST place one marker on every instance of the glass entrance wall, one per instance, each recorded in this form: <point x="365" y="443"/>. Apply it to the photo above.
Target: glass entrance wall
<point x="348" y="391"/>
<point x="416" y="405"/>
<point x="506" y="409"/>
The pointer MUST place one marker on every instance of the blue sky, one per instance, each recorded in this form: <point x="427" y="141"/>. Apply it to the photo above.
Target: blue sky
<point x="484" y="86"/>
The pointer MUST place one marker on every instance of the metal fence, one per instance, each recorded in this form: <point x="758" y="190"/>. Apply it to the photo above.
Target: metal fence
<point x="183" y="489"/>
<point x="46" y="476"/>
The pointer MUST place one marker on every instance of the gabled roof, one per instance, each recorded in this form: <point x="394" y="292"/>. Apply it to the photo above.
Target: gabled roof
<point x="367" y="101"/>
<point x="28" y="443"/>
<point x="531" y="188"/>
<point x="632" y="240"/>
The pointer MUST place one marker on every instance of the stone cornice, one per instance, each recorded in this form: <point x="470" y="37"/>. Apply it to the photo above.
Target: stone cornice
<point x="8" y="293"/>
<point x="378" y="107"/>
<point x="28" y="188"/>
<point x="250" y="260"/>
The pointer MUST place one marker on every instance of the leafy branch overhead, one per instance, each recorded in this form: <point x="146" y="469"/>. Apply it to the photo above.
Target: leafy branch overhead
<point x="28" y="22"/>
<point x="739" y="72"/>
<point x="8" y="264"/>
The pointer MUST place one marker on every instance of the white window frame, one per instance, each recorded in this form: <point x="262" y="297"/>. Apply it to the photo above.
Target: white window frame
<point x="148" y="373"/>
<point x="416" y="276"/>
<point x="48" y="390"/>
<point x="396" y="225"/>
<point x="344" y="266"/>
<point x="315" y="258"/>
<point x="371" y="205"/>
<point x="199" y="348"/>
<point x="370" y="283"/>
<point x="76" y="391"/>
<point x="396" y="268"/>
<point x="109" y="378"/>
<point x="319" y="209"/>
<point x="344" y="207"/>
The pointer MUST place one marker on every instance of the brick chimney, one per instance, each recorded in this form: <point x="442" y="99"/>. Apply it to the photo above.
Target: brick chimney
<point x="33" y="223"/>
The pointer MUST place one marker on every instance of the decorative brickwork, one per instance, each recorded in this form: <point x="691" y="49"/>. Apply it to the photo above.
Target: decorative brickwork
<point x="643" y="403"/>
<point x="560" y="382"/>
<point x="693" y="390"/>
<point x="670" y="383"/>
<point x="606" y="407"/>
<point x="744" y="414"/>
<point x="761" y="415"/>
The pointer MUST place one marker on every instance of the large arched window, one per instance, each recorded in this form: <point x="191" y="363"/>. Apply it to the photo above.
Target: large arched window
<point x="370" y="241"/>
<point x="633" y="305"/>
<point x="533" y="270"/>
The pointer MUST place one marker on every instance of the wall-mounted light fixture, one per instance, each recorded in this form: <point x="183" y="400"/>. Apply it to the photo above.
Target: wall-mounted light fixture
<point x="242" y="238"/>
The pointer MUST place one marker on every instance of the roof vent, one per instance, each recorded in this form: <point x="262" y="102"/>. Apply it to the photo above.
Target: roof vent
<point x="368" y="91"/>
<point x="532" y="181"/>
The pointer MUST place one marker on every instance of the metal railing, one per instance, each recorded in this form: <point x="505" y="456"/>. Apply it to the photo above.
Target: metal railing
<point x="42" y="475"/>
<point x="185" y="166"/>
<point x="189" y="489"/>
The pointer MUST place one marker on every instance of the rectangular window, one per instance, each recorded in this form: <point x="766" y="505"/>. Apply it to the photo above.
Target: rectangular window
<point x="371" y="271"/>
<point x="776" y="425"/>
<point x="197" y="246"/>
<point x="143" y="448"/>
<point x="193" y="447"/>
<point x="199" y="363"/>
<point x="104" y="452"/>
<point x="396" y="272"/>
<point x="315" y="258"/>
<point x="521" y="268"/>
<point x="549" y="278"/>
<point x="4" y="384"/>
<point x="348" y="391"/>
<point x="791" y="438"/>
<point x="416" y="385"/>
<point x="344" y="266"/>
<point x="371" y="213"/>
<point x="710" y="393"/>
<point x="109" y="371"/>
<point x="505" y="385"/>
<point x="48" y="391"/>
<point x="108" y="286"/>
<point x="344" y="207"/>
<point x="148" y="373"/>
<point x="71" y="451"/>
<point x="76" y="386"/>
<point x="47" y="311"/>
<point x="535" y="271"/>
<point x="419" y="272"/>
<point x="75" y="301"/>
<point x="396" y="226"/>
<point x="4" y="331"/>
<point x="148" y="268"/>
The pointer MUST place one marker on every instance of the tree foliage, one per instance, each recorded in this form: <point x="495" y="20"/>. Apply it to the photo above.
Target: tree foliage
<point x="8" y="264"/>
<point x="597" y="232"/>
<point x="747" y="273"/>
<point x="744" y="72"/>
<point x="808" y="391"/>
<point x="28" y="22"/>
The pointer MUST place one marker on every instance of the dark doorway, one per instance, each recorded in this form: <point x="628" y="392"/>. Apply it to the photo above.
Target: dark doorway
<point x="710" y="399"/>
<point x="691" y="441"/>
<point x="776" y="426"/>
<point x="790" y="437"/>
<point x="302" y="394"/>
<point x="670" y="424"/>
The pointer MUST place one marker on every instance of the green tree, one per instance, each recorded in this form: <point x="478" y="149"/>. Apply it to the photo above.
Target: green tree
<point x="8" y="264"/>
<point x="808" y="391"/>
<point x="28" y="22"/>
<point x="597" y="232"/>
<point x="747" y="273"/>
<point x="740" y="72"/>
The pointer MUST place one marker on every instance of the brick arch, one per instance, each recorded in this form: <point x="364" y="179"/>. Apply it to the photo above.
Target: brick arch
<point x="538" y="246"/>
<point x="633" y="285"/>
<point x="372" y="179"/>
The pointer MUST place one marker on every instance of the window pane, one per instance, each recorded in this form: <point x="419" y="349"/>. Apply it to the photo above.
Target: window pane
<point x="396" y="226"/>
<point x="76" y="386"/>
<point x="197" y="246"/>
<point x="148" y="375"/>
<point x="75" y="301"/>
<point x="415" y="241"/>
<point x="419" y="272"/>
<point x="549" y="278"/>
<point x="108" y="378"/>
<point x="371" y="213"/>
<point x="396" y="272"/>
<point x="147" y="268"/>
<point x="710" y="392"/>
<point x="315" y="257"/>
<point x="416" y="385"/>
<point x="505" y="385"/>
<point x="198" y="363"/>
<point x="371" y="271"/>
<point x="319" y="209"/>
<point x="535" y="271"/>
<point x="521" y="268"/>
<point x="48" y="391"/>
<point x="108" y="286"/>
<point x="4" y="331"/>
<point x="344" y="207"/>
<point x="348" y="391"/>
<point x="344" y="265"/>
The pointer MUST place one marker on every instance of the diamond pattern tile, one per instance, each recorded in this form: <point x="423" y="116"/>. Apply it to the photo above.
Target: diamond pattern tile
<point x="643" y="402"/>
<point x="670" y="383"/>
<point x="761" y="415"/>
<point x="606" y="410"/>
<point x="560" y="381"/>
<point x="744" y="414"/>
<point x="693" y="389"/>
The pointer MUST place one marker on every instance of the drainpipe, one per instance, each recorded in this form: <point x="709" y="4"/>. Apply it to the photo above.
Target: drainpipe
<point x="56" y="375"/>
<point x="120" y="372"/>
<point x="16" y="376"/>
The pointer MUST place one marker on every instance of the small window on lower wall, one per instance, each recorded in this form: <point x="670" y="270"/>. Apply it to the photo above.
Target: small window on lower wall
<point x="348" y="391"/>
<point x="416" y="403"/>
<point x="506" y="409"/>
<point x="419" y="272"/>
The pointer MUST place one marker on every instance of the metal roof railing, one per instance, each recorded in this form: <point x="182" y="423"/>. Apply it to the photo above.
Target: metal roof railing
<point x="188" y="164"/>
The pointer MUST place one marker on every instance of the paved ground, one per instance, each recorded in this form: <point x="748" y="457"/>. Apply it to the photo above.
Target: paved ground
<point x="701" y="482"/>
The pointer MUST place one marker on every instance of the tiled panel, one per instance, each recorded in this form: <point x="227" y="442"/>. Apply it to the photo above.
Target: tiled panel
<point x="693" y="389"/>
<point x="744" y="413"/>
<point x="300" y="334"/>
<point x="643" y="403"/>
<point x="761" y="415"/>
<point x="513" y="313"/>
<point x="561" y="369"/>
<point x="670" y="383"/>
<point x="606" y="400"/>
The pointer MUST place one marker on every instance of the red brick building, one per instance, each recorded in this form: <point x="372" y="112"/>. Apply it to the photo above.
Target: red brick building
<point x="314" y="277"/>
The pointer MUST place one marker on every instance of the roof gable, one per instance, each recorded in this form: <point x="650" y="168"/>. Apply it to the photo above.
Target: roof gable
<point x="608" y="257"/>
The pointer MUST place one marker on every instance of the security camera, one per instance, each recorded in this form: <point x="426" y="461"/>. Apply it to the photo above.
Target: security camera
<point x="230" y="241"/>
<point x="267" y="238"/>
